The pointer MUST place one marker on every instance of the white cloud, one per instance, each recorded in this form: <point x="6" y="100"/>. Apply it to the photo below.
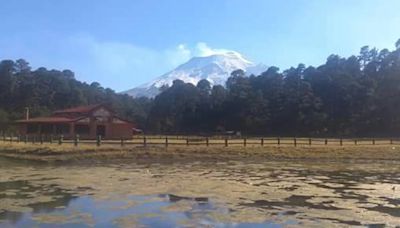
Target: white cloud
<point x="178" y="55"/>
<point x="120" y="65"/>
<point x="115" y="64"/>
<point x="202" y="49"/>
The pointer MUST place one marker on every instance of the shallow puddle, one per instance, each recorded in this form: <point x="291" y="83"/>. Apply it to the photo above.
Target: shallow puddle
<point x="199" y="194"/>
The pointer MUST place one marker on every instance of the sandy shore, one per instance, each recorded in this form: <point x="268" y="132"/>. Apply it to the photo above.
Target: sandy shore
<point x="67" y="152"/>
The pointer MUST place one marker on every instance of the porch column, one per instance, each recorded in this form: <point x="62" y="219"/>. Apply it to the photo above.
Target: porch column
<point x="72" y="129"/>
<point x="92" y="128"/>
<point x="39" y="129"/>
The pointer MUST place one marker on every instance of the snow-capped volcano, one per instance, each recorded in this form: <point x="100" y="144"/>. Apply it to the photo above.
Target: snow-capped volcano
<point x="215" y="68"/>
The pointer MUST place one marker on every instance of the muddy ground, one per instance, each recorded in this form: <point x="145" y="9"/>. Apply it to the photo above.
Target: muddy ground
<point x="249" y="192"/>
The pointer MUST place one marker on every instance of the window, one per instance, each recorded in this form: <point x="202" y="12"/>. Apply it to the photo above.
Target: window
<point x="47" y="129"/>
<point x="62" y="128"/>
<point x="32" y="129"/>
<point x="82" y="129"/>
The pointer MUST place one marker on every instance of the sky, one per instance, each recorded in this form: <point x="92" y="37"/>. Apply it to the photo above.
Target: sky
<point x="124" y="43"/>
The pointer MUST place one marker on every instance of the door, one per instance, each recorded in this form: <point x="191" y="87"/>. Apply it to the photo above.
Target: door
<point x="101" y="130"/>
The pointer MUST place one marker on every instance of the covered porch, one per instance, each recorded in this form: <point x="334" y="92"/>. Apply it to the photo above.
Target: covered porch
<point x="67" y="128"/>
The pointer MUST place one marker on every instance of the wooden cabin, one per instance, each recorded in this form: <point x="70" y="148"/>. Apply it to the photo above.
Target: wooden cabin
<point x="86" y="121"/>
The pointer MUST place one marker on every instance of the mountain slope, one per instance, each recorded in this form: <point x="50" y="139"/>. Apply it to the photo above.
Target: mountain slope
<point x="215" y="68"/>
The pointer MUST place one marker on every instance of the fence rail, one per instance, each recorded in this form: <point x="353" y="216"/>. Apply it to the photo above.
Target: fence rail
<point x="199" y="141"/>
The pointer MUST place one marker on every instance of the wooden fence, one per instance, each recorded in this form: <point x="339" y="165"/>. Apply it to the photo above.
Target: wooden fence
<point x="199" y="141"/>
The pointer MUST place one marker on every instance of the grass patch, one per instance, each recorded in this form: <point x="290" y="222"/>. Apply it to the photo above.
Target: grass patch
<point x="177" y="149"/>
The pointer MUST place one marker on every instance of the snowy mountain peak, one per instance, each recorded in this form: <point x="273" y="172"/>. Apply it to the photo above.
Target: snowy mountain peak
<point x="215" y="68"/>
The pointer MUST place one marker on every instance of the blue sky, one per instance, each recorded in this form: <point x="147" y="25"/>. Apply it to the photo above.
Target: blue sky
<point x="124" y="43"/>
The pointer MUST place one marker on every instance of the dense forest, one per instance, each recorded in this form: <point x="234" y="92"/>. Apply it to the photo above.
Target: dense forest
<point x="354" y="96"/>
<point x="44" y="91"/>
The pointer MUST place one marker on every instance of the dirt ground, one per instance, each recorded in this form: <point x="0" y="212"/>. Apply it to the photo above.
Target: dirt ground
<point x="65" y="152"/>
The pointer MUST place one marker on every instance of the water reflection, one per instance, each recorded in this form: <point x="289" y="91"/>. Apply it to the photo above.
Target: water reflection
<point x="194" y="194"/>
<point x="21" y="195"/>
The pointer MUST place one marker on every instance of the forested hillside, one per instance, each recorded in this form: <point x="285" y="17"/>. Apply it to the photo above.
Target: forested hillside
<point x="354" y="96"/>
<point x="44" y="91"/>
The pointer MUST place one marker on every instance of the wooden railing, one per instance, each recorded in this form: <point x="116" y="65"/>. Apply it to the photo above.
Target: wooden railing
<point x="200" y="141"/>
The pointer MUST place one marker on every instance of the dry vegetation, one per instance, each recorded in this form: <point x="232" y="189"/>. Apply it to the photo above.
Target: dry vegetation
<point x="197" y="149"/>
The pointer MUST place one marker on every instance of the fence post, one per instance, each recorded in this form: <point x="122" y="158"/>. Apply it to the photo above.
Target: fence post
<point x="226" y="142"/>
<point x="51" y="139"/>
<point x="34" y="139"/>
<point x="309" y="141"/>
<point x="326" y="141"/>
<point x="207" y="142"/>
<point x="166" y="141"/>
<point x="262" y="141"/>
<point x="295" y="141"/>
<point x="187" y="141"/>
<point x="355" y="141"/>
<point x="279" y="141"/>
<point x="391" y="141"/>
<point x="26" y="139"/>
<point x="4" y="136"/>
<point x="41" y="139"/>
<point x="98" y="141"/>
<point x="244" y="142"/>
<point x="144" y="141"/>
<point x="60" y="139"/>
<point x="18" y="138"/>
<point x="341" y="142"/>
<point x="122" y="142"/>
<point x="373" y="141"/>
<point x="11" y="138"/>
<point x="76" y="140"/>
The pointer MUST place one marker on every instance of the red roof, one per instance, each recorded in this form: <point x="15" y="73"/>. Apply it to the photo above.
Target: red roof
<point x="50" y="119"/>
<point x="80" y="109"/>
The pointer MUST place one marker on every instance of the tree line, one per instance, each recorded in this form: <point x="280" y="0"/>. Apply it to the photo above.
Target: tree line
<point x="354" y="96"/>
<point x="45" y="91"/>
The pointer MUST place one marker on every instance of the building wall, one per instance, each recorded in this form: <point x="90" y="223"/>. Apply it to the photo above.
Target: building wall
<point x="115" y="128"/>
<point x="119" y="131"/>
<point x="112" y="130"/>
